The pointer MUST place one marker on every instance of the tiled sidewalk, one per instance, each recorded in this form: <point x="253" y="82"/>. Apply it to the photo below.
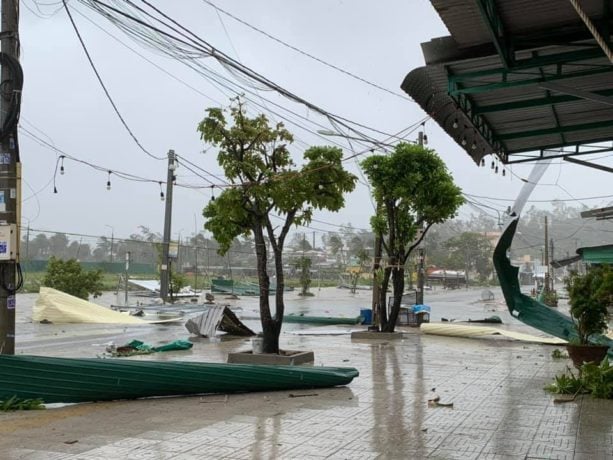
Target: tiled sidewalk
<point x="500" y="411"/>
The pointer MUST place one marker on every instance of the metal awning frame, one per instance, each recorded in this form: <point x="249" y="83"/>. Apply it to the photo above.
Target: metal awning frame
<point x="550" y="153"/>
<point x="466" y="83"/>
<point x="461" y="86"/>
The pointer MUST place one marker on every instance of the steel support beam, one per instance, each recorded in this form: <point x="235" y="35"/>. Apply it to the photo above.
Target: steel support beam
<point x="588" y="164"/>
<point x="537" y="102"/>
<point x="535" y="62"/>
<point x="579" y="94"/>
<point x="504" y="83"/>
<point x="494" y="23"/>
<point x="480" y="124"/>
<point x="562" y="154"/>
<point x="558" y="130"/>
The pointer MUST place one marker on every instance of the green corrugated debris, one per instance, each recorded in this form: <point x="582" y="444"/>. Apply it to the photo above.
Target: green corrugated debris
<point x="525" y="308"/>
<point x="70" y="380"/>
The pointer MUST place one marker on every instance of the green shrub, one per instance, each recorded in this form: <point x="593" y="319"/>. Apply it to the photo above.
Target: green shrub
<point x="589" y="295"/>
<point x="15" y="403"/>
<point x="68" y="276"/>
<point x="593" y="379"/>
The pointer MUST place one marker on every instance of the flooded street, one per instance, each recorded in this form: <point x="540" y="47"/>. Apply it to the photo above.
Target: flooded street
<point x="494" y="385"/>
<point x="91" y="339"/>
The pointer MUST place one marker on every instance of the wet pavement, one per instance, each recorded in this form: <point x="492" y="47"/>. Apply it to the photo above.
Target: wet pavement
<point x="500" y="410"/>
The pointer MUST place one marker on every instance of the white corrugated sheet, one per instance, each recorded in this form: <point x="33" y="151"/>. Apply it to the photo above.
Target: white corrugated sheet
<point x="460" y="330"/>
<point x="58" y="307"/>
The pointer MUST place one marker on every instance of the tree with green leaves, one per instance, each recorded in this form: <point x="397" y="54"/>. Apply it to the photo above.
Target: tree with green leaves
<point x="355" y="272"/>
<point x="414" y="191"/>
<point x="68" y="276"/>
<point x="470" y="251"/>
<point x="267" y="194"/>
<point x="304" y="265"/>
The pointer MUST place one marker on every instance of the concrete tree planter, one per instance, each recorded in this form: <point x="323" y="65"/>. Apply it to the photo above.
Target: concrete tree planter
<point x="256" y="355"/>
<point x="375" y="335"/>
<point x="285" y="357"/>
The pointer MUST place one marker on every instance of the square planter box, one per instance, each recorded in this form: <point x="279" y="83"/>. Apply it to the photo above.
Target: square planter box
<point x="286" y="357"/>
<point x="373" y="335"/>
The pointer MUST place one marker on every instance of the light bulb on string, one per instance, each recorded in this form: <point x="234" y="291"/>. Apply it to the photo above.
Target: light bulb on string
<point x="425" y="136"/>
<point x="161" y="192"/>
<point x="482" y="162"/>
<point x="108" y="181"/>
<point x="212" y="193"/>
<point x="464" y="140"/>
<point x="504" y="172"/>
<point x="473" y="146"/>
<point x="455" y="124"/>
<point x="62" y="165"/>
<point x="55" y="174"/>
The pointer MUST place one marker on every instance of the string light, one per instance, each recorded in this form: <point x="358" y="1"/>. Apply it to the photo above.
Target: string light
<point x="62" y="165"/>
<point x="161" y="191"/>
<point x="108" y="181"/>
<point x="473" y="146"/>
<point x="482" y="162"/>
<point x="212" y="193"/>
<point x="504" y="172"/>
<point x="455" y="124"/>
<point x="464" y="140"/>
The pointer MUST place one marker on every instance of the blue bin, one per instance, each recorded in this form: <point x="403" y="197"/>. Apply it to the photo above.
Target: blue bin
<point x="366" y="314"/>
<point x="419" y="314"/>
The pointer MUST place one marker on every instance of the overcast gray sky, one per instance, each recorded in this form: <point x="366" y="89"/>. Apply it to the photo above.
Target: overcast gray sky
<point x="64" y="104"/>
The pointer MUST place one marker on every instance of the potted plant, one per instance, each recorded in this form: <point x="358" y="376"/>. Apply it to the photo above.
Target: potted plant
<point x="589" y="296"/>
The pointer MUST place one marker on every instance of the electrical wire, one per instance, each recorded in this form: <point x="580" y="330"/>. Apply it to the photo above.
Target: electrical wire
<point x="586" y="198"/>
<point x="216" y="80"/>
<point x="196" y="47"/>
<point x="304" y="53"/>
<point x="104" y="88"/>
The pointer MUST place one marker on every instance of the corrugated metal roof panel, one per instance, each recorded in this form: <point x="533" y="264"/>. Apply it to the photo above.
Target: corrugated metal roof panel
<point x="464" y="21"/>
<point x="512" y="99"/>
<point x="68" y="380"/>
<point x="462" y="15"/>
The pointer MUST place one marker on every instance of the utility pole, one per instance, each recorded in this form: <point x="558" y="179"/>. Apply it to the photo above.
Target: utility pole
<point x="552" y="258"/>
<point x="378" y="250"/>
<point x="419" y="295"/>
<point x="127" y="275"/>
<point x="10" y="171"/>
<point x="546" y="262"/>
<point x="112" y="242"/>
<point x="165" y="268"/>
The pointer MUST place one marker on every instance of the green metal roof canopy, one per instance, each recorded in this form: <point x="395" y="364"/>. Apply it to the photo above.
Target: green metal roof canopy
<point x="597" y="254"/>
<point x="522" y="79"/>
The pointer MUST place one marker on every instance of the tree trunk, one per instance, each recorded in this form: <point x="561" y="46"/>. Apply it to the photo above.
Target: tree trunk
<point x="383" y="321"/>
<point x="269" y="328"/>
<point x="271" y="343"/>
<point x="398" y="289"/>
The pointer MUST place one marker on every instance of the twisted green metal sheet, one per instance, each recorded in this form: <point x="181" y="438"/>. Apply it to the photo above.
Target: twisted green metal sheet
<point x="525" y="308"/>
